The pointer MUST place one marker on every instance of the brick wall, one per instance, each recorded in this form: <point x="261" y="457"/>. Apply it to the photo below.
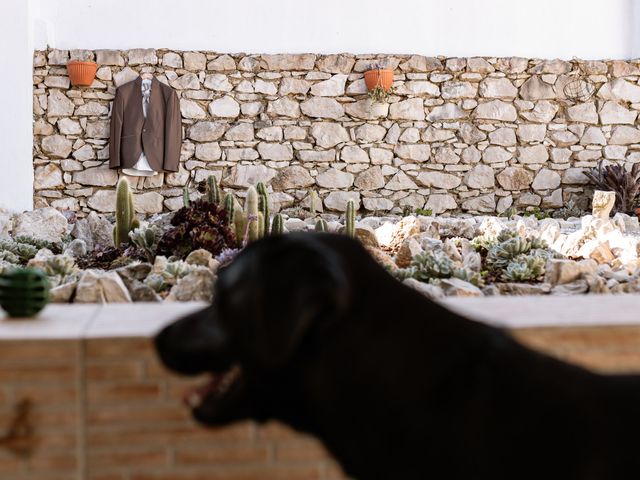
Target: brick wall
<point x="104" y="409"/>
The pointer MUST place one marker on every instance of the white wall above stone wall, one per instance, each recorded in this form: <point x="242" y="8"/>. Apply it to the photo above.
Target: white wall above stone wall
<point x="594" y="29"/>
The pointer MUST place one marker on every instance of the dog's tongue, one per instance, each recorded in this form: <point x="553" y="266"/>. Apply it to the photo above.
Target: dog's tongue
<point x="194" y="396"/>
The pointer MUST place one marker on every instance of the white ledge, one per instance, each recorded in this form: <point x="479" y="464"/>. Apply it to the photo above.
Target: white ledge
<point x="143" y="320"/>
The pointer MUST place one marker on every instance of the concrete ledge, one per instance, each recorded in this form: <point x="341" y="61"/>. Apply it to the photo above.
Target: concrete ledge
<point x="145" y="319"/>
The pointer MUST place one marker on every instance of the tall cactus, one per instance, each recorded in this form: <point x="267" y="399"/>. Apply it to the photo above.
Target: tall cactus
<point x="186" y="198"/>
<point x="126" y="219"/>
<point x="213" y="192"/>
<point x="239" y="224"/>
<point x="251" y="213"/>
<point x="229" y="206"/>
<point x="321" y="225"/>
<point x="277" y="225"/>
<point x="263" y="205"/>
<point x="313" y="199"/>
<point x="350" y="219"/>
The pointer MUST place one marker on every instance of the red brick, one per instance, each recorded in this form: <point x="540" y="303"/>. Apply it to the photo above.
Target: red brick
<point x="98" y="393"/>
<point x="301" y="450"/>
<point x="222" y="454"/>
<point x="37" y="373"/>
<point x="40" y="351"/>
<point x="110" y="415"/>
<point x="118" y="371"/>
<point x="119" y="348"/>
<point x="131" y="459"/>
<point x="253" y="472"/>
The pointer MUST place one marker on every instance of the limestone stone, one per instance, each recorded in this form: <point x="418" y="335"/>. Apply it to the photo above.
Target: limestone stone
<point x="419" y="63"/>
<point x="206" y="131"/>
<point x="432" y="134"/>
<point x="371" y="179"/>
<point x="98" y="176"/>
<point x="555" y="66"/>
<point x="67" y="126"/>
<point x="614" y="113"/>
<point x="338" y="200"/>
<point x="336" y="64"/>
<point x="496" y="110"/>
<point x="515" y="178"/>
<point x="295" y="86"/>
<point x="480" y="176"/>
<point x="42" y="127"/>
<point x="172" y="59"/>
<point x="594" y="136"/>
<point x="446" y="155"/>
<point x="354" y="154"/>
<point x="574" y="176"/>
<point x="546" y="179"/>
<point x="401" y="181"/>
<point x="471" y="134"/>
<point x="222" y="63"/>
<point x="191" y="109"/>
<point x="96" y="286"/>
<point x="543" y="112"/>
<point x="602" y="203"/>
<point x="42" y="223"/>
<point x="316" y="155"/>
<point x="564" y="138"/>
<point x="47" y="176"/>
<point x="290" y="62"/>
<point x="377" y="204"/>
<point x="58" y="57"/>
<point x="69" y="165"/>
<point x="419" y="87"/>
<point x="218" y="82"/>
<point x="92" y="109"/>
<point x="140" y="56"/>
<point x="380" y="156"/>
<point x="536" y="89"/>
<point x="413" y="152"/>
<point x="412" y="109"/>
<point x="583" y="112"/>
<point x="481" y="204"/>
<point x="109" y="57"/>
<point x="194" y="61"/>
<point x="445" y="112"/>
<point x="243" y="176"/>
<point x="528" y="199"/>
<point x="471" y="155"/>
<point x="284" y="107"/>
<point x="503" y="136"/>
<point x="321" y="107"/>
<point x="56" y="146"/>
<point x="440" y="203"/>
<point x="561" y="271"/>
<point x="126" y="75"/>
<point x="103" y="201"/>
<point x="438" y="179"/>
<point x="58" y="105"/>
<point x="496" y="155"/>
<point x="410" y="135"/>
<point x="624" y="135"/>
<point x="497" y="88"/>
<point x="240" y="154"/>
<point x="534" y="154"/>
<point x="241" y="132"/>
<point x="531" y="132"/>
<point x="208" y="151"/>
<point x="225" y="107"/>
<point x="335" y="179"/>
<point x="329" y="134"/>
<point x="333" y="87"/>
<point x="626" y="91"/>
<point x="274" y="134"/>
<point x="454" y="90"/>
<point x="292" y="177"/>
<point x="369" y="133"/>
<point x="275" y="151"/>
<point x="84" y="153"/>
<point x="98" y="129"/>
<point x="56" y="81"/>
<point x="479" y="65"/>
<point x="262" y="86"/>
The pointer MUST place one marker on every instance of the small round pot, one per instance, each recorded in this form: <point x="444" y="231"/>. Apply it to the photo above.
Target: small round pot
<point x="81" y="73"/>
<point x="379" y="78"/>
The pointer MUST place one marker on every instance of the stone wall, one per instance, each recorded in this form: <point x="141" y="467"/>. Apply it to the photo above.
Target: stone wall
<point x="459" y="134"/>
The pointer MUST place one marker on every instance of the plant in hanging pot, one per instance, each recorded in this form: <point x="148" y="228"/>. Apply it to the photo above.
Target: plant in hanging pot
<point x="379" y="82"/>
<point x="81" y="73"/>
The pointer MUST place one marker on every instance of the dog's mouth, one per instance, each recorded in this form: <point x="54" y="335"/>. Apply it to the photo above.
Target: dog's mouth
<point x="217" y="387"/>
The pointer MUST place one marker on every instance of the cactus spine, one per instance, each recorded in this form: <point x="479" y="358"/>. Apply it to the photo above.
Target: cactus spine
<point x="126" y="220"/>
<point x="229" y="206"/>
<point x="321" y="225"/>
<point x="277" y="225"/>
<point x="350" y="219"/>
<point x="263" y="206"/>
<point x="213" y="192"/>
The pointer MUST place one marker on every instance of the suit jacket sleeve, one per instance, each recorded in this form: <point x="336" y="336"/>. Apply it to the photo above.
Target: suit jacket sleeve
<point x="116" y="131"/>
<point x="172" y="134"/>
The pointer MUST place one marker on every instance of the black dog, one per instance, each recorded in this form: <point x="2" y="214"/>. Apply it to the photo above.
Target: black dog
<point x="309" y="330"/>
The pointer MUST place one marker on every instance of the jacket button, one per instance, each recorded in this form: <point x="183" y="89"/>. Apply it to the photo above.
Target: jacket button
<point x="144" y="130"/>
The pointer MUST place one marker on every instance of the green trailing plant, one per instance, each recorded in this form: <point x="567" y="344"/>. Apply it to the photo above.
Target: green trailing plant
<point x="378" y="94"/>
<point x="277" y="225"/>
<point x="125" y="213"/>
<point x="321" y="225"/>
<point x="229" y="207"/>
<point x="201" y="225"/>
<point x="24" y="292"/>
<point x="615" y="178"/>
<point x="213" y="192"/>
<point x="146" y="238"/>
<point x="350" y="219"/>
<point x="426" y="212"/>
<point x="536" y="212"/>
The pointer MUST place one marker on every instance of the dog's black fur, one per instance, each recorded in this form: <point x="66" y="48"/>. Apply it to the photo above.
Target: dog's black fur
<point x="396" y="386"/>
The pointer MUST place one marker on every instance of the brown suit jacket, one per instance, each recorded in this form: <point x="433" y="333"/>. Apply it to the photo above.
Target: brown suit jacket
<point x="159" y="135"/>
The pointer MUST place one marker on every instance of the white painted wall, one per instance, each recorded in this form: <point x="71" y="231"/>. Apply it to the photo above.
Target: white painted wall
<point x="16" y="132"/>
<point x="536" y="28"/>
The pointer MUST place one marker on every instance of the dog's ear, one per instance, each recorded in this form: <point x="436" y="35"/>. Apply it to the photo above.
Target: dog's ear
<point x="303" y="285"/>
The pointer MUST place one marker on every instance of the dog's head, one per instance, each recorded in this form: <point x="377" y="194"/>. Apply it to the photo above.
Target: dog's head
<point x="271" y="298"/>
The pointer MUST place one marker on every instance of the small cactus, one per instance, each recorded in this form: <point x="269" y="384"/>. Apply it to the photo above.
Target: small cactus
<point x="125" y="213"/>
<point x="263" y="205"/>
<point x="239" y="224"/>
<point x="277" y="225"/>
<point x="251" y="214"/>
<point x="321" y="225"/>
<point x="229" y="206"/>
<point x="147" y="238"/>
<point x="24" y="292"/>
<point x="350" y="219"/>
<point x="313" y="199"/>
<point x="213" y="192"/>
<point x="186" y="197"/>
<point x="260" y="225"/>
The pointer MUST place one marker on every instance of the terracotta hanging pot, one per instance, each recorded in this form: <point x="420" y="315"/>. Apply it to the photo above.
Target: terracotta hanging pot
<point x="380" y="77"/>
<point x="81" y="73"/>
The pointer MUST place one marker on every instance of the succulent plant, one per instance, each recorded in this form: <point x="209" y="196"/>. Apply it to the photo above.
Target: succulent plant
<point x="502" y="253"/>
<point x="432" y="264"/>
<point x="570" y="209"/>
<point x="277" y="225"/>
<point x="213" y="192"/>
<point x="201" y="225"/>
<point x="23" y="292"/>
<point x="468" y="275"/>
<point x="156" y="281"/>
<point x="186" y="196"/>
<point x="525" y="268"/>
<point x="313" y="202"/>
<point x="9" y="257"/>
<point x="350" y="219"/>
<point x="38" y="243"/>
<point x="229" y="206"/>
<point x="615" y="178"/>
<point x="146" y="238"/>
<point x="321" y="225"/>
<point x="174" y="271"/>
<point x="125" y="213"/>
<point x="23" y="251"/>
<point x="263" y="207"/>
<point x="61" y="269"/>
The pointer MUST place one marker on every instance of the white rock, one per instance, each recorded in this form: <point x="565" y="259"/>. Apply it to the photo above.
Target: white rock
<point x="531" y="132"/>
<point x="496" y="155"/>
<point x="321" y="107"/>
<point x="459" y="90"/>
<point x="329" y="134"/>
<point x="140" y="56"/>
<point x="480" y="176"/>
<point x="624" y="135"/>
<point x="294" y="176"/>
<point x="98" y="176"/>
<point x="546" y="179"/>
<point x="225" y="107"/>
<point x="496" y="110"/>
<point x="294" y="86"/>
<point x="275" y="151"/>
<point x="497" y="88"/>
<point x="448" y="111"/>
<point x="56" y="146"/>
<point x="440" y="203"/>
<point x="413" y="152"/>
<point x="125" y="75"/>
<point x="481" y="204"/>
<point x="371" y="179"/>
<point x="172" y="59"/>
<point x="262" y="86"/>
<point x="47" y="177"/>
<point x="401" y="181"/>
<point x="503" y="136"/>
<point x="333" y="87"/>
<point x="191" y="109"/>
<point x="574" y="176"/>
<point x="437" y="179"/>
<point x="246" y="175"/>
<point x="354" y="154"/>
<point x="43" y="223"/>
<point x="241" y="132"/>
<point x="377" y="204"/>
<point x="412" y="109"/>
<point x="334" y="178"/>
<point x="284" y="107"/>
<point x="614" y="113"/>
<point x="206" y="131"/>
<point x="534" y="154"/>
<point x="369" y="133"/>
<point x="338" y="200"/>
<point x="58" y="105"/>
<point x="148" y="202"/>
<point x="515" y="178"/>
<point x="536" y="89"/>
<point x="218" y="82"/>
<point x="67" y="126"/>
<point x="626" y="91"/>
<point x="594" y="136"/>
<point x="96" y="286"/>
<point x="543" y="112"/>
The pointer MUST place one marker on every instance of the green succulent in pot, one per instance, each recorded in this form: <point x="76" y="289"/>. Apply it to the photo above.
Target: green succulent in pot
<point x="24" y="292"/>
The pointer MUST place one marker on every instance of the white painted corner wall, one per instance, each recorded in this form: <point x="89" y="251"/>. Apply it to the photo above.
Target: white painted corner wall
<point x="591" y="29"/>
